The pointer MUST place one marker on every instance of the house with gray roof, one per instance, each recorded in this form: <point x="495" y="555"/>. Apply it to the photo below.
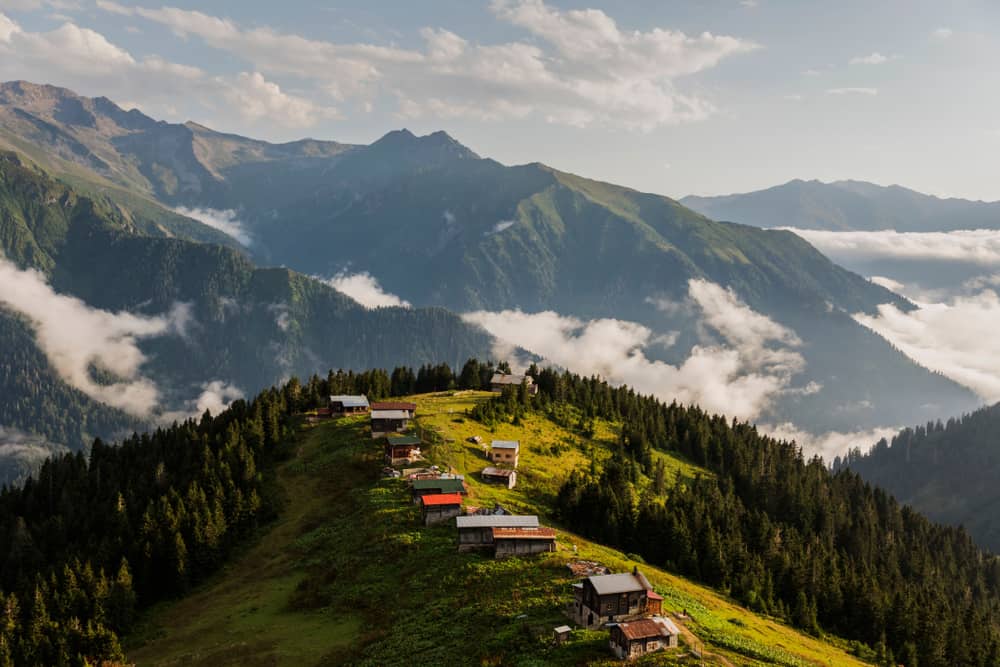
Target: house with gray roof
<point x="614" y="597"/>
<point x="348" y="405"/>
<point x="476" y="531"/>
<point x="505" y="452"/>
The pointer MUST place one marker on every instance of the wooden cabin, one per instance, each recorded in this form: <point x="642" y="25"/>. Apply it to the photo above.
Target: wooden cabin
<point x="476" y="531"/>
<point x="493" y="475"/>
<point x="405" y="406"/>
<point x="439" y="507"/>
<point x="505" y="452"/>
<point x="427" y="487"/>
<point x="632" y="639"/>
<point x="501" y="381"/>
<point x="400" y="449"/>
<point x="348" y="405"/>
<point x="387" y="422"/>
<point x="522" y="541"/>
<point x="614" y="597"/>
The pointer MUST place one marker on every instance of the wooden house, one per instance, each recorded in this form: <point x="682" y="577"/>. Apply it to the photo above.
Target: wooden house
<point x="476" y="531"/>
<point x="632" y="639"/>
<point x="348" y="405"/>
<point x="493" y="475"/>
<point x="386" y="422"/>
<point x="438" y="507"/>
<point x="505" y="452"/>
<point x="561" y="634"/>
<point x="614" y="597"/>
<point x="427" y="487"/>
<point x="501" y="381"/>
<point x="405" y="406"/>
<point x="400" y="449"/>
<point x="522" y="541"/>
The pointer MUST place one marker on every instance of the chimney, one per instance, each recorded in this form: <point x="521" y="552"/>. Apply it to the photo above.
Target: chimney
<point x="635" y="570"/>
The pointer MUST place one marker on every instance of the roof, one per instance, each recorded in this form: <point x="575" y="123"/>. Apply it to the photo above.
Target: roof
<point x="504" y="533"/>
<point x="490" y="471"/>
<point x="497" y="521"/>
<point x="505" y="444"/>
<point x="442" y="499"/>
<point x="648" y="627"/>
<point x="390" y="414"/>
<point x="508" y="378"/>
<point x="403" y="440"/>
<point x="610" y="584"/>
<point x="394" y="405"/>
<point x="563" y="628"/>
<point x="350" y="401"/>
<point x="445" y="485"/>
<point x="653" y="595"/>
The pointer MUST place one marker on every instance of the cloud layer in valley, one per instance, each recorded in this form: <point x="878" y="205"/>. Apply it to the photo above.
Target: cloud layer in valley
<point x="77" y="339"/>
<point x="977" y="246"/>
<point x="956" y="337"/>
<point x="364" y="288"/>
<point x="225" y="221"/>
<point x="741" y="376"/>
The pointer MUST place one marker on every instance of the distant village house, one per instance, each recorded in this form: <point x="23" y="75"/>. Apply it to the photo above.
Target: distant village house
<point x="505" y="452"/>
<point x="439" y="507"/>
<point x="405" y="406"/>
<point x="493" y="475"/>
<point x="522" y="541"/>
<point x="476" y="531"/>
<point x="614" y="597"/>
<point x="386" y="422"/>
<point x="501" y="381"/>
<point x="632" y="639"/>
<point x="348" y="405"/>
<point x="441" y="485"/>
<point x="401" y="449"/>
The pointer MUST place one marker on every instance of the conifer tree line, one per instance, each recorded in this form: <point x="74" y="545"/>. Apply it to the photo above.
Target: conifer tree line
<point x="781" y="534"/>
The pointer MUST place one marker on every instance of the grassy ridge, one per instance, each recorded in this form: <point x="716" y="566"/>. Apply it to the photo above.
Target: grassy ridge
<point x="348" y="575"/>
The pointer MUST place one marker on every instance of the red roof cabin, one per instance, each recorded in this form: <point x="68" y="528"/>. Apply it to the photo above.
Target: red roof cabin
<point x="439" y="507"/>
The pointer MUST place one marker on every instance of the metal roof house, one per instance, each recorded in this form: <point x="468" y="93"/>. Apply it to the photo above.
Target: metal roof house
<point x="506" y="452"/>
<point x="385" y="422"/>
<point x="614" y="597"/>
<point x="494" y="475"/>
<point x="348" y="405"/>
<point x="426" y="487"/>
<point x="401" y="449"/>
<point x="476" y="531"/>
<point x="395" y="405"/>
<point x="522" y="541"/>
<point x="632" y="639"/>
<point x="501" y="381"/>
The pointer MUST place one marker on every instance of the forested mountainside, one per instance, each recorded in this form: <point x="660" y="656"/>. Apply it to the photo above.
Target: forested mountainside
<point x="440" y="226"/>
<point x="947" y="471"/>
<point x="781" y="534"/>
<point x="243" y="326"/>
<point x="91" y="544"/>
<point x="848" y="206"/>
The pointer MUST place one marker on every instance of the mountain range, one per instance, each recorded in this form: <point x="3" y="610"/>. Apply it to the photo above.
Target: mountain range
<point x="848" y="206"/>
<point x="440" y="227"/>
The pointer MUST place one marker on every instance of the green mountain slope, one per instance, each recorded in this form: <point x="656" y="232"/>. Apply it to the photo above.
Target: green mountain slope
<point x="848" y="206"/>
<point x="947" y="471"/>
<point x="248" y="326"/>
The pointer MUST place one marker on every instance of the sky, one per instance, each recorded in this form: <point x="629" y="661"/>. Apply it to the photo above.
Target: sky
<point x="696" y="97"/>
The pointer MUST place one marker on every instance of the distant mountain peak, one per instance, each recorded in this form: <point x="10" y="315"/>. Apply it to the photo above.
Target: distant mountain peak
<point x="439" y="142"/>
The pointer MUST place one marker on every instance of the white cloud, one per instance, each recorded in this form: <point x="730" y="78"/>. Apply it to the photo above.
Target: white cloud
<point x="975" y="246"/>
<point x="830" y="444"/>
<point x="942" y="33"/>
<point x="852" y="91"/>
<point x="226" y="221"/>
<point x="501" y="226"/>
<point x="583" y="70"/>
<point x="216" y="396"/>
<point x="364" y="288"/>
<point x="957" y="338"/>
<point x="875" y="58"/>
<point x="82" y="58"/>
<point x="76" y="337"/>
<point x="739" y="377"/>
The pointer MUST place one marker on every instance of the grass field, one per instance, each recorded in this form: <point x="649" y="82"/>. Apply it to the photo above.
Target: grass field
<point x="348" y="576"/>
